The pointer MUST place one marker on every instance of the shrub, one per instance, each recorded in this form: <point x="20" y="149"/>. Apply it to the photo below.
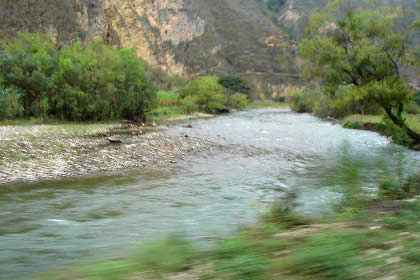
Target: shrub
<point x="188" y="105"/>
<point x="280" y="99"/>
<point x="304" y="101"/>
<point x="10" y="103"/>
<point x="399" y="136"/>
<point x="96" y="82"/>
<point x="239" y="258"/>
<point x="261" y="97"/>
<point x="171" y="254"/>
<point x="285" y="216"/>
<point x="329" y="255"/>
<point x="235" y="84"/>
<point x="207" y="93"/>
<point x="412" y="108"/>
<point x="416" y="97"/>
<point x="239" y="100"/>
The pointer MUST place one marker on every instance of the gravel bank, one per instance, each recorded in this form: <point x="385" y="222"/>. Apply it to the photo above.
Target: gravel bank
<point x="44" y="152"/>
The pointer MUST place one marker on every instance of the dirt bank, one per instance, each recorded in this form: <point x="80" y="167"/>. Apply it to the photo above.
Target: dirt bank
<point x="33" y="153"/>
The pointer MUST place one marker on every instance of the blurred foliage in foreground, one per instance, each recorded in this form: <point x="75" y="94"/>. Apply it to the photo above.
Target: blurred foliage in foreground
<point x="369" y="237"/>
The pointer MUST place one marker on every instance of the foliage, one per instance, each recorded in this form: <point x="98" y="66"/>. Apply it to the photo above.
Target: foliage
<point x="29" y="64"/>
<point x="329" y="255"/>
<point x="162" y="79"/>
<point x="412" y="108"/>
<point x="238" y="258"/>
<point x="285" y="216"/>
<point x="235" y="84"/>
<point x="416" y="97"/>
<point x="207" y="93"/>
<point x="261" y="97"/>
<point x="398" y="135"/>
<point x="361" y="50"/>
<point x="188" y="105"/>
<point x="239" y="100"/>
<point x="10" y="105"/>
<point x="95" y="82"/>
<point x="168" y="255"/>
<point x="304" y="101"/>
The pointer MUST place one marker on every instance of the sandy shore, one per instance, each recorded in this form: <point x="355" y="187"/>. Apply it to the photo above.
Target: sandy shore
<point x="45" y="152"/>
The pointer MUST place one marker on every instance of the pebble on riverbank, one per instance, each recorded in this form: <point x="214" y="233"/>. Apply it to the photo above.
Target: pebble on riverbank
<point x="28" y="155"/>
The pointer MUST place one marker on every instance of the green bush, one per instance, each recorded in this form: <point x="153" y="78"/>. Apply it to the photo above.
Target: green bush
<point x="238" y="258"/>
<point x="235" y="84"/>
<point x="95" y="82"/>
<point x="399" y="136"/>
<point x="171" y="254"/>
<point x="207" y="93"/>
<point x="328" y="255"/>
<point x="280" y="99"/>
<point x="285" y="216"/>
<point x="412" y="108"/>
<point x="416" y="97"/>
<point x="304" y="101"/>
<point x="261" y="97"/>
<point x="188" y="105"/>
<point x="239" y="100"/>
<point x="10" y="104"/>
<point x="352" y="125"/>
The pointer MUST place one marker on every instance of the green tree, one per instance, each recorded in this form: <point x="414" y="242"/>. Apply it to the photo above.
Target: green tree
<point x="362" y="50"/>
<point x="207" y="93"/>
<point x="235" y="84"/>
<point x="29" y="64"/>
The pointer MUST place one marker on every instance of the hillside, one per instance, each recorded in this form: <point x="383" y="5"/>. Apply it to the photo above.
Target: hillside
<point x="253" y="38"/>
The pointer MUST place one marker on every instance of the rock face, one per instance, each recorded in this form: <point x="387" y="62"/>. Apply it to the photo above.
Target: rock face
<point x="183" y="37"/>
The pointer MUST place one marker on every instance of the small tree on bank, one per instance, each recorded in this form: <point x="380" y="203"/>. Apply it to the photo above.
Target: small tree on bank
<point x="361" y="51"/>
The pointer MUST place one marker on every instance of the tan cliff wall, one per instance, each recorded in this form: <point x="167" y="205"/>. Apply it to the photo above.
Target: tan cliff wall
<point x="183" y="37"/>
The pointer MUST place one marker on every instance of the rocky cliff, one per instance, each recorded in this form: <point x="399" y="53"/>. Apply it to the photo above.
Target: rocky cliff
<point x="184" y="37"/>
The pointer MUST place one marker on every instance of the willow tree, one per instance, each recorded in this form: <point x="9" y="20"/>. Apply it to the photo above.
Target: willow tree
<point x="362" y="51"/>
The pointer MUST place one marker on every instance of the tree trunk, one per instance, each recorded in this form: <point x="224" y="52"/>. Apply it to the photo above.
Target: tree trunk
<point x="398" y="120"/>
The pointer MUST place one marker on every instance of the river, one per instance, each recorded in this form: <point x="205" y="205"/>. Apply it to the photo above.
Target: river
<point x="262" y="154"/>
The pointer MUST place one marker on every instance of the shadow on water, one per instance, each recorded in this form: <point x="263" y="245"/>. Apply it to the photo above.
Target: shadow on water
<point x="264" y="153"/>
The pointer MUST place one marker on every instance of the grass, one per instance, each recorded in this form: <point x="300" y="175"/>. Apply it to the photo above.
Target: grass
<point x="336" y="251"/>
<point x="413" y="121"/>
<point x="267" y="104"/>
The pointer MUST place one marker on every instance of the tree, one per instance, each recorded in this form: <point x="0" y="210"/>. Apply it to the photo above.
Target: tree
<point x="235" y="84"/>
<point x="207" y="93"/>
<point x="361" y="50"/>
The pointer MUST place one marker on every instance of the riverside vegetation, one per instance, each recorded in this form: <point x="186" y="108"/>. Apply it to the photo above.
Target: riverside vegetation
<point x="369" y="237"/>
<point x="359" y="55"/>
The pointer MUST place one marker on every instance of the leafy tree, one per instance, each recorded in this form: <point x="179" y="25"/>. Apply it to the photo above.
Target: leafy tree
<point x="10" y="105"/>
<point x="235" y="84"/>
<point x="207" y="93"/>
<point x="96" y="82"/>
<point x="28" y="64"/>
<point x="361" y="50"/>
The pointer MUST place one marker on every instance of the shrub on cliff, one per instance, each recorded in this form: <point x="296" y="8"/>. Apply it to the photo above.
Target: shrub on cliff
<point x="207" y="93"/>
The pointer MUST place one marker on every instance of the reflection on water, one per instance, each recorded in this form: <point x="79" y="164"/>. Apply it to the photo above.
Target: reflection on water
<point x="263" y="154"/>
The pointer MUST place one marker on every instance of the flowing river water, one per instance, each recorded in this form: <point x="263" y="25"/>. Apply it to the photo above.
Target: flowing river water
<point x="263" y="154"/>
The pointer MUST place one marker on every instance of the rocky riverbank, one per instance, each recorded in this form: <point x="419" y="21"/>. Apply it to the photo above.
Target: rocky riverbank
<point x="45" y="152"/>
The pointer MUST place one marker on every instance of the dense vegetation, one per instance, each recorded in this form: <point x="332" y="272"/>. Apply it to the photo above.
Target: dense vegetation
<point x="358" y="54"/>
<point x="93" y="82"/>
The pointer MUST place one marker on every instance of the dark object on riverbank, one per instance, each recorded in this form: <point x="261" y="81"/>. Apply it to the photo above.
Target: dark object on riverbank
<point x="188" y="126"/>
<point x="114" y="140"/>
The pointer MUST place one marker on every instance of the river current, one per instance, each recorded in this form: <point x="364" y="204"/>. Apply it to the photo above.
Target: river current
<point x="263" y="154"/>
